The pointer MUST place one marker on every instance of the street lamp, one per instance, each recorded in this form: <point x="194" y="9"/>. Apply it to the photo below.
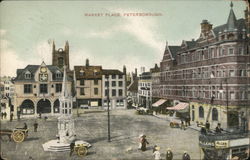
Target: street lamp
<point x="108" y="109"/>
<point x="221" y="91"/>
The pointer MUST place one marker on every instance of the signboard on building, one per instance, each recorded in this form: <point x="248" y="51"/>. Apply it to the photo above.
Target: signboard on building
<point x="221" y="144"/>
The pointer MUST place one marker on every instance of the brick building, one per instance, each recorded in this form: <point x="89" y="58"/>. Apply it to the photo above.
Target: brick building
<point x="211" y="73"/>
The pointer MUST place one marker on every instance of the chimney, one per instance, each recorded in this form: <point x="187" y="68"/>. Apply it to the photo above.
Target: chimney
<point x="206" y="27"/>
<point x="87" y="62"/>
<point x="136" y="72"/>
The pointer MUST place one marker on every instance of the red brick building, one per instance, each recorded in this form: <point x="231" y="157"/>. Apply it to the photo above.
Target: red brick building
<point x="211" y="73"/>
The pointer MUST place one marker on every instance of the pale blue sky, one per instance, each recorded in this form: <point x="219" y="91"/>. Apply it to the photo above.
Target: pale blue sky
<point x="27" y="27"/>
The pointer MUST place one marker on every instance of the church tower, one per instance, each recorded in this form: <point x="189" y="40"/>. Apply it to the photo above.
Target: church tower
<point x="60" y="57"/>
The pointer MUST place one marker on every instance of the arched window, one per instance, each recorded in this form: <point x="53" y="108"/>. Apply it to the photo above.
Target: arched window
<point x="215" y="114"/>
<point x="201" y="112"/>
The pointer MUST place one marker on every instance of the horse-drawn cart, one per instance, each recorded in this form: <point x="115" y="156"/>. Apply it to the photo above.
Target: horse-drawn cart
<point x="17" y="135"/>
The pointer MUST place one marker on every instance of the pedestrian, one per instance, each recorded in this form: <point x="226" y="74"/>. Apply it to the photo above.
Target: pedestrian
<point x="154" y="148"/>
<point x="144" y="143"/>
<point x="72" y="147"/>
<point x="182" y="125"/>
<point x="207" y="126"/>
<point x="186" y="156"/>
<point x="25" y="126"/>
<point x="157" y="153"/>
<point x="5" y="115"/>
<point x="218" y="129"/>
<point x="2" y="115"/>
<point x="30" y="158"/>
<point x="169" y="154"/>
<point x="11" y="116"/>
<point x="188" y="120"/>
<point x="203" y="131"/>
<point x="40" y="115"/>
<point x="45" y="118"/>
<point x="35" y="126"/>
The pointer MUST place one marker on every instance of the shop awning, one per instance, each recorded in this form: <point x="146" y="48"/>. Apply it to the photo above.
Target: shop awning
<point x="179" y="107"/>
<point x="159" y="102"/>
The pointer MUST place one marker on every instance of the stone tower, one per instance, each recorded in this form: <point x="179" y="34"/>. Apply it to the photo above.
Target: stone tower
<point x="66" y="129"/>
<point x="60" y="57"/>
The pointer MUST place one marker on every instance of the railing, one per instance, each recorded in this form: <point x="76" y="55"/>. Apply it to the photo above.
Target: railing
<point x="225" y="135"/>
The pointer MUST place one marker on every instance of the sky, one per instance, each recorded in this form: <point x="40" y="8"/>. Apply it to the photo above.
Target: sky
<point x="28" y="28"/>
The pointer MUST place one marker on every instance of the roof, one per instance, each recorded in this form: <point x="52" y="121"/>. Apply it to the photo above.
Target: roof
<point x="88" y="72"/>
<point x="33" y="68"/>
<point x="174" y="50"/>
<point x="133" y="87"/>
<point x="239" y="25"/>
<point x="111" y="72"/>
<point x="191" y="44"/>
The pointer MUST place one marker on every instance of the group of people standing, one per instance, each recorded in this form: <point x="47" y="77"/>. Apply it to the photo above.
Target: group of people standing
<point x="156" y="150"/>
<point x="3" y="115"/>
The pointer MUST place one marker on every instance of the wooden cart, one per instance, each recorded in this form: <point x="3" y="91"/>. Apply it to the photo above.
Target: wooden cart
<point x="81" y="148"/>
<point x="17" y="135"/>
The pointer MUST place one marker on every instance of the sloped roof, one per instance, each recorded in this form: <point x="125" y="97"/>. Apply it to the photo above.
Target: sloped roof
<point x="111" y="72"/>
<point x="88" y="72"/>
<point x="174" y="50"/>
<point x="32" y="69"/>
<point x="191" y="44"/>
<point x="133" y="87"/>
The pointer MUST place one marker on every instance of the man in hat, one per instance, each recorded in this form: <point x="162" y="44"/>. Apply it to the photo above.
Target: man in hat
<point x="157" y="153"/>
<point x="218" y="129"/>
<point x="35" y="126"/>
<point x="169" y="154"/>
<point x="186" y="156"/>
<point x="144" y="143"/>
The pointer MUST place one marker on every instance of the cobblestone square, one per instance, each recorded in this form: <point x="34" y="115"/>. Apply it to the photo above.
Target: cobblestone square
<point x="126" y="126"/>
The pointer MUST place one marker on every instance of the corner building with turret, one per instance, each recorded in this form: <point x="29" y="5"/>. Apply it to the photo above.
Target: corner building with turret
<point x="211" y="74"/>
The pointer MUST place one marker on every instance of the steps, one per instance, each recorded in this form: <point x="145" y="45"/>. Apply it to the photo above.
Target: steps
<point x="53" y="146"/>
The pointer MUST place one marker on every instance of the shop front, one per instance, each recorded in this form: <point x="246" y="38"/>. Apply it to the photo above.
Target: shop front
<point x="224" y="146"/>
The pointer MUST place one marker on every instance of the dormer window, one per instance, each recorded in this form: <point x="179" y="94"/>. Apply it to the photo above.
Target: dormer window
<point x="27" y="75"/>
<point x="82" y="72"/>
<point x="58" y="74"/>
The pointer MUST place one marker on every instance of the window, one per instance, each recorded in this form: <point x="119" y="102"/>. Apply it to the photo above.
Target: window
<point x="106" y="84"/>
<point x="96" y="82"/>
<point x="120" y="76"/>
<point x="82" y="91"/>
<point x="27" y="88"/>
<point x="215" y="114"/>
<point x="231" y="73"/>
<point x="113" y="92"/>
<point x="106" y="92"/>
<point x="201" y="112"/>
<point x="82" y="72"/>
<point x="241" y="51"/>
<point x="242" y="73"/>
<point x="96" y="91"/>
<point x="82" y="82"/>
<point x="113" y="83"/>
<point x="60" y="61"/>
<point x="113" y="76"/>
<point x="120" y="83"/>
<point x="58" y="88"/>
<point x="232" y="95"/>
<point x="120" y="92"/>
<point x="27" y="75"/>
<point x="231" y="51"/>
<point x="58" y="74"/>
<point x="242" y="95"/>
<point x="43" y="88"/>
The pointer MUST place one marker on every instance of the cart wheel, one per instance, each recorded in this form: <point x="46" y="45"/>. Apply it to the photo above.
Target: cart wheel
<point x="18" y="136"/>
<point x="82" y="151"/>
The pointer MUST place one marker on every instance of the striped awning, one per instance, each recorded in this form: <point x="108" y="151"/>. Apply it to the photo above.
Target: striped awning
<point x="180" y="106"/>
<point x="159" y="102"/>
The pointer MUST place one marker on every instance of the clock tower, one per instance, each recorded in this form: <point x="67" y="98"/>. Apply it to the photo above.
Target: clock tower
<point x="60" y="57"/>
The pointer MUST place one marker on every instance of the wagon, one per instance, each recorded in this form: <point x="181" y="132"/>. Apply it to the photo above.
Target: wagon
<point x="174" y="124"/>
<point x="18" y="135"/>
<point x="81" y="148"/>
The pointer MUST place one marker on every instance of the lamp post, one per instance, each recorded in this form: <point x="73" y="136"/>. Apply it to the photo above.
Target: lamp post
<point x="108" y="109"/>
<point x="221" y="91"/>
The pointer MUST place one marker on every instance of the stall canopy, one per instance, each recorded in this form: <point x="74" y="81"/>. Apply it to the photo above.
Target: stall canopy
<point x="181" y="107"/>
<point x="159" y="102"/>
